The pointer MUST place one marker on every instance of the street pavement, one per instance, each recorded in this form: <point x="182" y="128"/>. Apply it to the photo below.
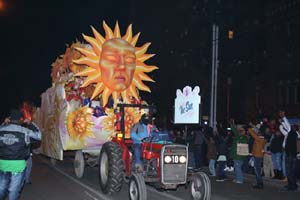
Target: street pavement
<point x="59" y="183"/>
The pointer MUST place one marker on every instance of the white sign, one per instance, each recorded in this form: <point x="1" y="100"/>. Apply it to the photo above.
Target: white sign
<point x="187" y="105"/>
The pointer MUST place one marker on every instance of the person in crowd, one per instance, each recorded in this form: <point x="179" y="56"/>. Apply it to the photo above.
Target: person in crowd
<point x="291" y="159"/>
<point x="239" y="151"/>
<point x="14" y="150"/>
<point x="139" y="131"/>
<point x="285" y="128"/>
<point x="198" y="146"/>
<point x="221" y="157"/>
<point x="179" y="139"/>
<point x="211" y="154"/>
<point x="267" y="160"/>
<point x="258" y="154"/>
<point x="228" y="142"/>
<point x="276" y="151"/>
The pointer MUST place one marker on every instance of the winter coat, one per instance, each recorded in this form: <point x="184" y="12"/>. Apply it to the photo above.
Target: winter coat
<point x="276" y="144"/>
<point x="236" y="140"/>
<point x="259" y="144"/>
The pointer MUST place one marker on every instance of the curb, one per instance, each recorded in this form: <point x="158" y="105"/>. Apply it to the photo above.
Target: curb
<point x="251" y="178"/>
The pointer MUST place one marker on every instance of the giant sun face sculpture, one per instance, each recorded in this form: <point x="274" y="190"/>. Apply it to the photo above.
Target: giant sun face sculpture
<point x="115" y="65"/>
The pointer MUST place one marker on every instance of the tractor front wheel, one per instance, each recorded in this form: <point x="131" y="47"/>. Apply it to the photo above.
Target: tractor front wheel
<point x="111" y="168"/>
<point x="200" y="187"/>
<point x="137" y="187"/>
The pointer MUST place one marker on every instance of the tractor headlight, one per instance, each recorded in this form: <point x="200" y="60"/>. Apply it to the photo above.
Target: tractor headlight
<point x="168" y="159"/>
<point x="182" y="159"/>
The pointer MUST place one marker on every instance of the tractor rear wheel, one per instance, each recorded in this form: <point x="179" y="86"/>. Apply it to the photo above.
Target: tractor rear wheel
<point x="200" y="187"/>
<point x="111" y="168"/>
<point x="137" y="187"/>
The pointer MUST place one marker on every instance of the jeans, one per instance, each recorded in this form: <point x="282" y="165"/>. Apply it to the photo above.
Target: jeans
<point x="268" y="165"/>
<point x="28" y="169"/>
<point x="12" y="183"/>
<point x="137" y="148"/>
<point x="221" y="167"/>
<point x="276" y="159"/>
<point x="212" y="169"/>
<point x="291" y="162"/>
<point x="257" y="167"/>
<point x="238" y="170"/>
<point x="283" y="163"/>
<point x="198" y="156"/>
<point x="191" y="160"/>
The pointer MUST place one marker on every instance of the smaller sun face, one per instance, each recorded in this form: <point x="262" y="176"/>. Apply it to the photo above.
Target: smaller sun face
<point x="79" y="124"/>
<point x="117" y="64"/>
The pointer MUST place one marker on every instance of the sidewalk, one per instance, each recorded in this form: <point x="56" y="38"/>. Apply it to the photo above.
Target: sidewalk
<point x="250" y="178"/>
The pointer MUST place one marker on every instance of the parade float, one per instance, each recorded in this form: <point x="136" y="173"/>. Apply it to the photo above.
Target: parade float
<point x="88" y="81"/>
<point x="92" y="105"/>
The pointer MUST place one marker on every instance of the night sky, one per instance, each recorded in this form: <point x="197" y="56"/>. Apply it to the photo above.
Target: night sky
<point x="34" y="33"/>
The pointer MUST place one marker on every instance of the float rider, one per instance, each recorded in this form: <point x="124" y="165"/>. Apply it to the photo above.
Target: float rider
<point x="138" y="132"/>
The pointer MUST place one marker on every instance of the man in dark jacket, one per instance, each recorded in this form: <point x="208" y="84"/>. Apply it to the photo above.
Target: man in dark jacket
<point x="14" y="150"/>
<point x="276" y="150"/>
<point x="291" y="160"/>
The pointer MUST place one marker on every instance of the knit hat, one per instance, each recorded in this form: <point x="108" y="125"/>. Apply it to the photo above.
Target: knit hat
<point x="16" y="115"/>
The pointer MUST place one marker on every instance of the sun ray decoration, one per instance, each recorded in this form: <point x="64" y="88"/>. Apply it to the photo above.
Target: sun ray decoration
<point x="91" y="58"/>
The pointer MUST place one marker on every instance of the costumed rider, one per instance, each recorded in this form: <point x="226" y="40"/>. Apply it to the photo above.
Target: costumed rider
<point x="138" y="132"/>
<point x="14" y="150"/>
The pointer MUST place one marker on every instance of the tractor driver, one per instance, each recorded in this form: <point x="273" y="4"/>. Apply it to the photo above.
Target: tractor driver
<point x="139" y="131"/>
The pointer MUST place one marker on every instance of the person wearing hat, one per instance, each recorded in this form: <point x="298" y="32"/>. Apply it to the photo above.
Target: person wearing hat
<point x="239" y="151"/>
<point x="14" y="150"/>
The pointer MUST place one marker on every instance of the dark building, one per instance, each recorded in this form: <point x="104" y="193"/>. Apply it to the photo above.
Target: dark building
<point x="260" y="61"/>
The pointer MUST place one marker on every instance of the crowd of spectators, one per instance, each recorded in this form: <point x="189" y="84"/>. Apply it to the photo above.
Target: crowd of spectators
<point x="269" y="147"/>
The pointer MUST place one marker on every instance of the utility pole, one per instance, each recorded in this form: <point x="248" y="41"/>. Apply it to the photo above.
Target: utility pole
<point x="214" y="76"/>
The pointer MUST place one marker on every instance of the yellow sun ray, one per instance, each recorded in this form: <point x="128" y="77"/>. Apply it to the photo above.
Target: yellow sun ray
<point x="145" y="68"/>
<point x="141" y="50"/>
<point x="98" y="36"/>
<point x="98" y="89"/>
<point x="108" y="32"/>
<point x="135" y="39"/>
<point x="95" y="44"/>
<point x="145" y="77"/>
<point x="132" y="90"/>
<point x="91" y="79"/>
<point x="86" y="72"/>
<point x="128" y="34"/>
<point x="87" y="61"/>
<point x="92" y="71"/>
<point x="141" y="85"/>
<point x="115" y="96"/>
<point x="145" y="57"/>
<point x="105" y="95"/>
<point x="87" y="52"/>
<point x="117" y="33"/>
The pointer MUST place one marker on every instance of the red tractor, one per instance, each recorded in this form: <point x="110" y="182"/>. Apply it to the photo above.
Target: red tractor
<point x="165" y="166"/>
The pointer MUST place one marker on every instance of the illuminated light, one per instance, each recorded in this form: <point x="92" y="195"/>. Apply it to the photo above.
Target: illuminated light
<point x="120" y="135"/>
<point x="1" y="5"/>
<point x="168" y="159"/>
<point x="182" y="159"/>
<point x="230" y="34"/>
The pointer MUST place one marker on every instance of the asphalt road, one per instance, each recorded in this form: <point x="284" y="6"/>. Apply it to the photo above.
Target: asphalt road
<point x="60" y="183"/>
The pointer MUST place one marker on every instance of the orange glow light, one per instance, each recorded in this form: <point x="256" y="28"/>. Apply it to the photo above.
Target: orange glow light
<point x="1" y="5"/>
